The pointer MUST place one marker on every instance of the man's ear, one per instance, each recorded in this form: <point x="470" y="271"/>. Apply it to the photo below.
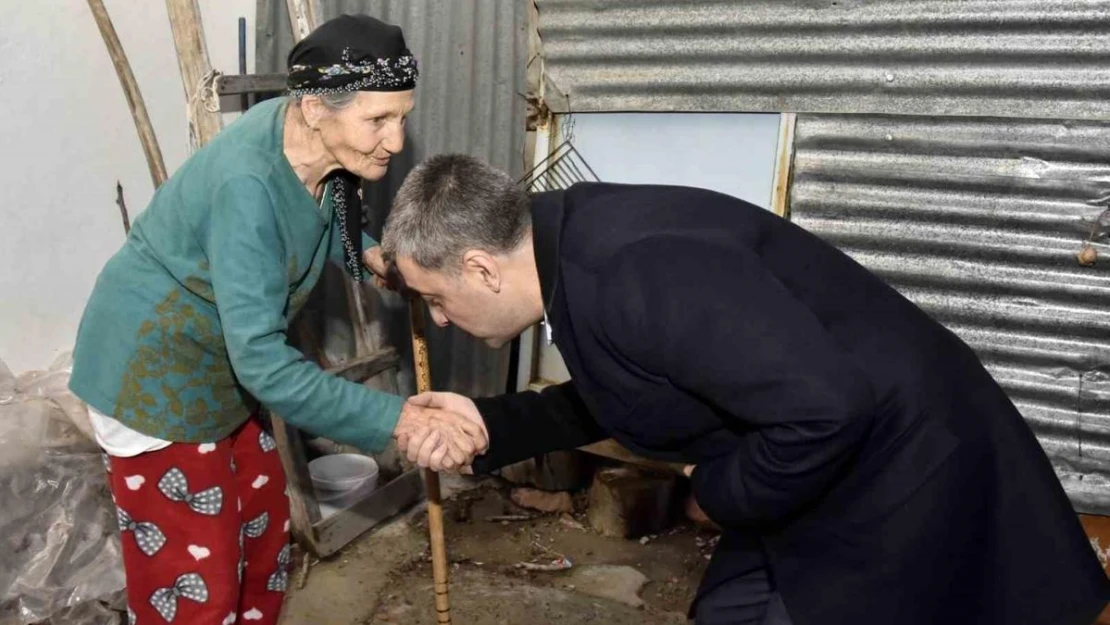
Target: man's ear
<point x="482" y="266"/>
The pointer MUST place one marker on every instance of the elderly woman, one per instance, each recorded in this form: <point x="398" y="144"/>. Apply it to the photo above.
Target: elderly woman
<point x="183" y="340"/>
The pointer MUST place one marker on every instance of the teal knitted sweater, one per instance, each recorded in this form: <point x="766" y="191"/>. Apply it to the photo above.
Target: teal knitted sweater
<point x="185" y="330"/>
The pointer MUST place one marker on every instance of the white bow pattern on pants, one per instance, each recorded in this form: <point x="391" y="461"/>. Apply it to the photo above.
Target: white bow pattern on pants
<point x="266" y="442"/>
<point x="176" y="488"/>
<point x="279" y="581"/>
<point x="148" y="537"/>
<point x="190" y="585"/>
<point x="256" y="527"/>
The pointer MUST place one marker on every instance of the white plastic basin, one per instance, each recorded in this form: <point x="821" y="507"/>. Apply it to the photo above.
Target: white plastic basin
<point x="342" y="479"/>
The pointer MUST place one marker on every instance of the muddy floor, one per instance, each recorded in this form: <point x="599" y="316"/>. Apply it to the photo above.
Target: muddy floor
<point x="385" y="576"/>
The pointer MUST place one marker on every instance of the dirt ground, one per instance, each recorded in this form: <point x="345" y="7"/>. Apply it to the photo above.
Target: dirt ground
<point x="385" y="576"/>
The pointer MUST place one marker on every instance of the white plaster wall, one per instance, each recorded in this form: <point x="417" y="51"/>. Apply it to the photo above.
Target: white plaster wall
<point x="66" y="137"/>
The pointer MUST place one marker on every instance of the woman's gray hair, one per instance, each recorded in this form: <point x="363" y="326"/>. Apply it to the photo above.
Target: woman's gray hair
<point x="334" y="101"/>
<point x="453" y="203"/>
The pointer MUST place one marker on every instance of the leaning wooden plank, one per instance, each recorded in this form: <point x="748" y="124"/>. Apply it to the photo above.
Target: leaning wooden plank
<point x="196" y="71"/>
<point x="304" y="511"/>
<point x="131" y="91"/>
<point x="334" y="532"/>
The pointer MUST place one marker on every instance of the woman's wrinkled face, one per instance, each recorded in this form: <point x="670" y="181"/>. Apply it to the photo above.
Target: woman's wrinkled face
<point x="365" y="134"/>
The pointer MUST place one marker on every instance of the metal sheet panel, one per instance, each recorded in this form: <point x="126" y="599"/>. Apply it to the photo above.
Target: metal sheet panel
<point x="472" y="63"/>
<point x="978" y="221"/>
<point x="1023" y="58"/>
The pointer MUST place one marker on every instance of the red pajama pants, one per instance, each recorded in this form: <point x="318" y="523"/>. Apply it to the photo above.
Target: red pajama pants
<point x="205" y="531"/>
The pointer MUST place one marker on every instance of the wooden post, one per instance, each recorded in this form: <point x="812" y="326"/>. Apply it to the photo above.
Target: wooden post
<point x="423" y="373"/>
<point x="131" y="92"/>
<point x="196" y="71"/>
<point x="784" y="165"/>
<point x="304" y="15"/>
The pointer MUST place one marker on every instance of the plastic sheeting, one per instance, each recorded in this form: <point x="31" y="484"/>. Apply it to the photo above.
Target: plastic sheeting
<point x="61" y="560"/>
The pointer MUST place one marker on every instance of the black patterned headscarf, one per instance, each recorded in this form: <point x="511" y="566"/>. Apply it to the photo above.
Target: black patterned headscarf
<point x="351" y="53"/>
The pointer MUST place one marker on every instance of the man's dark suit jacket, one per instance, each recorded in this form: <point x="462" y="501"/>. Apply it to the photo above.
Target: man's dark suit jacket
<point x="843" y="439"/>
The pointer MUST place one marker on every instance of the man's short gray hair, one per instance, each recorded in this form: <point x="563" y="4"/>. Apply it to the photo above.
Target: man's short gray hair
<point x="453" y="203"/>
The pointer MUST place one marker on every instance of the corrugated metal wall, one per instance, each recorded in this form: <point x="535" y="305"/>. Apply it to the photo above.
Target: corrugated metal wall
<point x="935" y="172"/>
<point x="978" y="221"/>
<point x="1032" y="58"/>
<point x="472" y="56"/>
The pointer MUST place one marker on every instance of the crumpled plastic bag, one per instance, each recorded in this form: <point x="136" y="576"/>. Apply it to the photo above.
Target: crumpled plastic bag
<point x="61" y="560"/>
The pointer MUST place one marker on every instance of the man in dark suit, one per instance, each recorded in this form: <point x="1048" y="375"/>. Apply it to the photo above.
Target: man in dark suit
<point x="863" y="465"/>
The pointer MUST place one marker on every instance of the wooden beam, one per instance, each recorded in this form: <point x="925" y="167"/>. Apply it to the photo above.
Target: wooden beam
<point x="613" y="450"/>
<point x="235" y="84"/>
<point x="363" y="368"/>
<point x="196" y="70"/>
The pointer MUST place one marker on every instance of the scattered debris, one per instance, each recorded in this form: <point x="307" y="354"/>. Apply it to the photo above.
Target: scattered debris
<point x="571" y="522"/>
<point x="619" y="583"/>
<point x="505" y="519"/>
<point x="644" y="540"/>
<point x="558" y="564"/>
<point x="306" y="565"/>
<point x="544" y="501"/>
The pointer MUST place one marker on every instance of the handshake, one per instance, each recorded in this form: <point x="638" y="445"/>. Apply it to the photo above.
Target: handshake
<point x="441" y="431"/>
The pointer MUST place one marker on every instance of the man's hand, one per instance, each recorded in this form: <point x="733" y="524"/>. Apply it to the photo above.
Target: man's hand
<point x="438" y="439"/>
<point x="425" y="447"/>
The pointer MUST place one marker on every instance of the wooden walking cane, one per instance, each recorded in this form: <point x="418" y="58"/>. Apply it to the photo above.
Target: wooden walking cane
<point x="422" y="371"/>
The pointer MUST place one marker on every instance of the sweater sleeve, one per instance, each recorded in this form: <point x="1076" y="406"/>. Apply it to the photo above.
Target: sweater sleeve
<point x="528" y="424"/>
<point x="247" y="265"/>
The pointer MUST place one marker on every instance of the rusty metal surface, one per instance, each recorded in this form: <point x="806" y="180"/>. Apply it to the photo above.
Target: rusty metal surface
<point x="978" y="221"/>
<point x="472" y="71"/>
<point x="1023" y="58"/>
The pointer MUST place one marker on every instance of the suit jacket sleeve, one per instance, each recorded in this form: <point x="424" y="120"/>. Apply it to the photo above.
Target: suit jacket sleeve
<point x="528" y="424"/>
<point x="720" y="327"/>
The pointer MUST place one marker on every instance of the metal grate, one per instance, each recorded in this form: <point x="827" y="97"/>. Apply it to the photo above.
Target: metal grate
<point x="561" y="169"/>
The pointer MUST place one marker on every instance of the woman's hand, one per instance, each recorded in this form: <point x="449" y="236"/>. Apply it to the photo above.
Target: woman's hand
<point x="438" y="439"/>
<point x="373" y="260"/>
